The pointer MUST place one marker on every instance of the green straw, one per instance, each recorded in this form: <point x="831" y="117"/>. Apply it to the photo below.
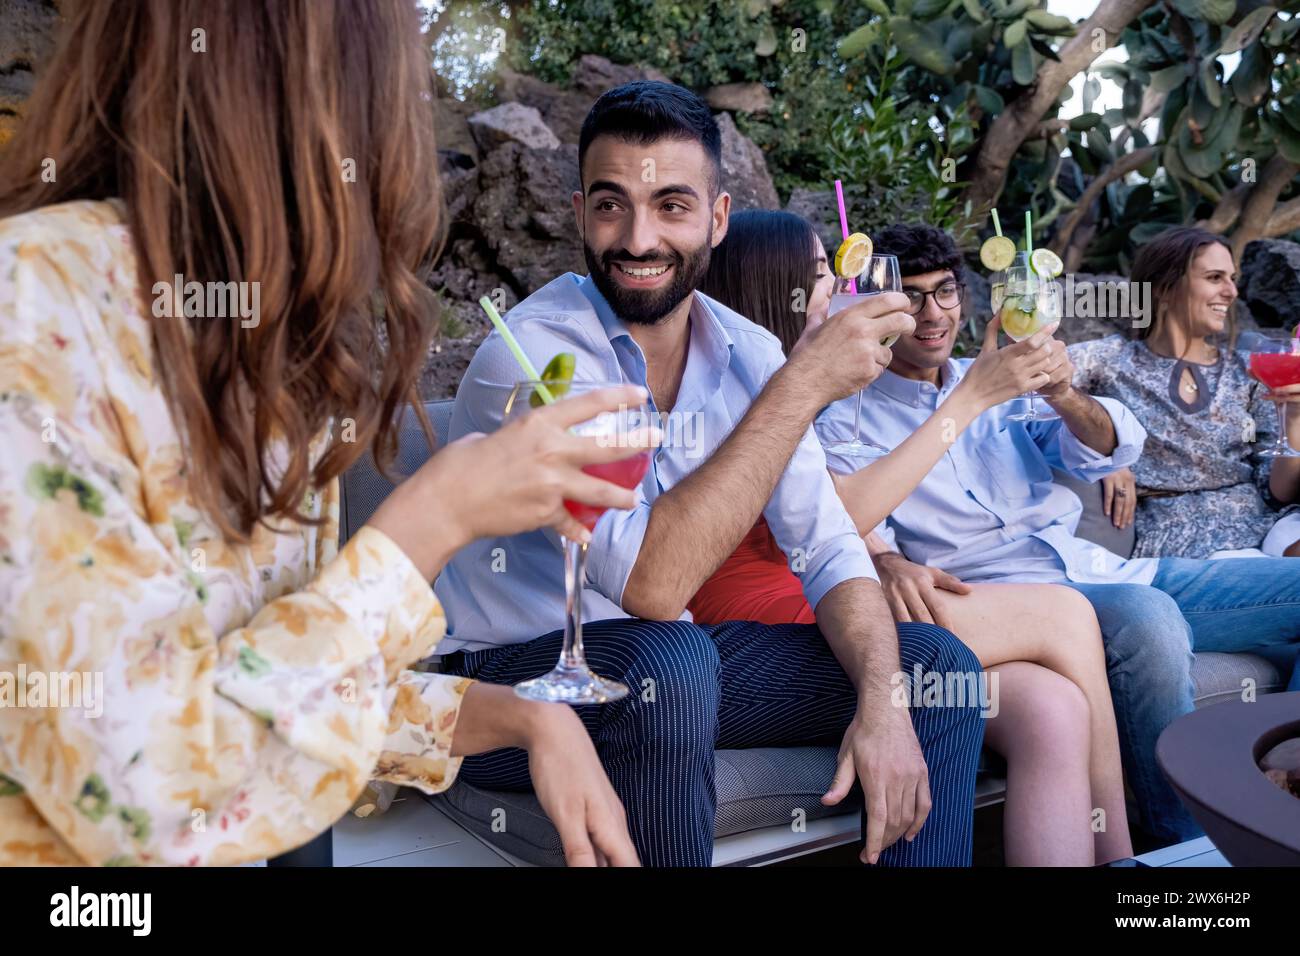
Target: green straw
<point x="997" y="226"/>
<point x="515" y="349"/>
<point x="1029" y="234"/>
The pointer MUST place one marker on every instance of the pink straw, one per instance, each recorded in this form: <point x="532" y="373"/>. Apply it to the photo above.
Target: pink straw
<point x="844" y="226"/>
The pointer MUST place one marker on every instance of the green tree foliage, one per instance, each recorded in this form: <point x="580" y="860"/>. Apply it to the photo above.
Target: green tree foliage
<point x="883" y="93"/>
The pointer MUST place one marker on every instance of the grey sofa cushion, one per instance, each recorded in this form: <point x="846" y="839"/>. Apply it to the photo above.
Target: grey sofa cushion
<point x="364" y="487"/>
<point x="1094" y="526"/>
<point x="1220" y="677"/>
<point x="756" y="788"/>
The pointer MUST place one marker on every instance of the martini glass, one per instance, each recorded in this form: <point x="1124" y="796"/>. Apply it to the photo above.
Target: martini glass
<point x="572" y="681"/>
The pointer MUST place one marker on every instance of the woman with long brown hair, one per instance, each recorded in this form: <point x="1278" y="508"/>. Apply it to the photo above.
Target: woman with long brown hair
<point x="1200" y="486"/>
<point x="210" y="215"/>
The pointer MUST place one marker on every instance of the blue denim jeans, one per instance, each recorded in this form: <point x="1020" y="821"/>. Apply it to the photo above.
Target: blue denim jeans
<point x="1150" y="632"/>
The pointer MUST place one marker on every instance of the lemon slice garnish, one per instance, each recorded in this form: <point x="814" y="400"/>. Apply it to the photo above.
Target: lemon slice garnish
<point x="852" y="256"/>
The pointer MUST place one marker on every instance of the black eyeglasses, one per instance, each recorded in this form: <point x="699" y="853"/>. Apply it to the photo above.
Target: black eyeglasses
<point x="947" y="296"/>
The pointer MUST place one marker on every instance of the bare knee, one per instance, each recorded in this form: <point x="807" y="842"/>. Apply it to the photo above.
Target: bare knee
<point x="1042" y="711"/>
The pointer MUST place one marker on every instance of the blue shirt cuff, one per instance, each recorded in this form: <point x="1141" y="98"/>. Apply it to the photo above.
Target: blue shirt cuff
<point x="1087" y="463"/>
<point x="615" y="545"/>
<point x="845" y="558"/>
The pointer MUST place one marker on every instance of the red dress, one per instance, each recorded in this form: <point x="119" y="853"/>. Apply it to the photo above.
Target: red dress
<point x="754" y="584"/>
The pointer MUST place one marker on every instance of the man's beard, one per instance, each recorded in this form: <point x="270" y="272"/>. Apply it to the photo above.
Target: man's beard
<point x="648" y="306"/>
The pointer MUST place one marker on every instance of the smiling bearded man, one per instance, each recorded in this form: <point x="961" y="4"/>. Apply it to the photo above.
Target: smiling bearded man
<point x="650" y="211"/>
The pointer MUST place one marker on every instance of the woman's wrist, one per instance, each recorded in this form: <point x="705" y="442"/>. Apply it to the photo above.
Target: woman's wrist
<point x="423" y="525"/>
<point x="493" y="716"/>
<point x="966" y="403"/>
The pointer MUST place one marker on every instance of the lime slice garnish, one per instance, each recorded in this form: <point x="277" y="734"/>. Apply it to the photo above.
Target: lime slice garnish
<point x="997" y="253"/>
<point x="1046" y="263"/>
<point x="852" y="256"/>
<point x="557" y="375"/>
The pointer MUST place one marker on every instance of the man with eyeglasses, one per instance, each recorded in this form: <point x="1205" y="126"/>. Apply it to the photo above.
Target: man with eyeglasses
<point x="989" y="511"/>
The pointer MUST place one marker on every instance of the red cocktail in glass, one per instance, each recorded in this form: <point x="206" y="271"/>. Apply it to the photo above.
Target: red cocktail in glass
<point x="572" y="681"/>
<point x="626" y="474"/>
<point x="1275" y="361"/>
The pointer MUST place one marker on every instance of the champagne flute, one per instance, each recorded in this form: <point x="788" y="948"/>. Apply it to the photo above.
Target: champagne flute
<point x="572" y="681"/>
<point x="881" y="275"/>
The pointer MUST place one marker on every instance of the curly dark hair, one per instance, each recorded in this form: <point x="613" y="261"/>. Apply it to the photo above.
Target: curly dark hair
<point x="920" y="248"/>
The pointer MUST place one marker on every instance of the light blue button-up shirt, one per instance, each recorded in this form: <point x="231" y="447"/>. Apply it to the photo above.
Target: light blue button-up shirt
<point x="507" y="590"/>
<point x="989" y="510"/>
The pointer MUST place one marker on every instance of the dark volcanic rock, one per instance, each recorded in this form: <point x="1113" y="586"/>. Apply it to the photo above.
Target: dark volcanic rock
<point x="27" y="29"/>
<point x="524" y="214"/>
<point x="744" y="169"/>
<point x="1270" y="282"/>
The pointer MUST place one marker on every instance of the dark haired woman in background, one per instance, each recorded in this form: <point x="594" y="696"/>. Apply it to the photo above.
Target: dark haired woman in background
<point x="169" y="484"/>
<point x="1055" y="724"/>
<point x="1199" y="487"/>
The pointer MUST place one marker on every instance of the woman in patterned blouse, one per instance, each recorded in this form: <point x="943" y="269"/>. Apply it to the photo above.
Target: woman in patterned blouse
<point x="1199" y="487"/>
<point x="168" y="489"/>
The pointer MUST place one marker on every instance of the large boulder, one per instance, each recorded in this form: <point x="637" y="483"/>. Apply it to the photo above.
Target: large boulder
<point x="564" y="110"/>
<point x="744" y="169"/>
<point x="975" y="308"/>
<point x="451" y="126"/>
<point x="524" y="213"/>
<point x="511" y="123"/>
<point x="448" y="359"/>
<point x="1270" y="282"/>
<point x="459" y="179"/>
<point x="739" y="97"/>
<point x="819" y="207"/>
<point x="594" y="75"/>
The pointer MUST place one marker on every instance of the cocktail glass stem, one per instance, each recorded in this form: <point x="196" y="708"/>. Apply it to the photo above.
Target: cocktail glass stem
<point x="1040" y="409"/>
<point x="1281" y="448"/>
<point x="575" y="577"/>
<point x="572" y="681"/>
<point x="859" y="446"/>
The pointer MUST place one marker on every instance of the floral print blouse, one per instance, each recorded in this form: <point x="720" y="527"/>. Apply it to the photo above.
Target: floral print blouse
<point x="247" y="693"/>
<point x="1201" y="485"/>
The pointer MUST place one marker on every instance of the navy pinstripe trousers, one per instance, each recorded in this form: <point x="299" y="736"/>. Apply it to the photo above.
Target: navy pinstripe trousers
<point x="731" y="686"/>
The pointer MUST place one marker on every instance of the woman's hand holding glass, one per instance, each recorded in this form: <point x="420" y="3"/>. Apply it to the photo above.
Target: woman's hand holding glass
<point x="511" y="481"/>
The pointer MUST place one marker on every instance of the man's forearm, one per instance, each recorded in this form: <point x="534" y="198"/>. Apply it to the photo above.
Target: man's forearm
<point x="854" y="619"/>
<point x="696" y="525"/>
<point x="1085" y="417"/>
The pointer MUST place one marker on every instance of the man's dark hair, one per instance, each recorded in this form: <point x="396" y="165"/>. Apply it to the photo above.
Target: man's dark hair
<point x="920" y="248"/>
<point x="646" y="111"/>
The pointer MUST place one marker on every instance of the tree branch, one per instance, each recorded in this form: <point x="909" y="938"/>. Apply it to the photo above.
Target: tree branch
<point x="1020" y="118"/>
<point x="1116" y="170"/>
<point x="1285" y="218"/>
<point x="1227" y="209"/>
<point x="1257" y="211"/>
